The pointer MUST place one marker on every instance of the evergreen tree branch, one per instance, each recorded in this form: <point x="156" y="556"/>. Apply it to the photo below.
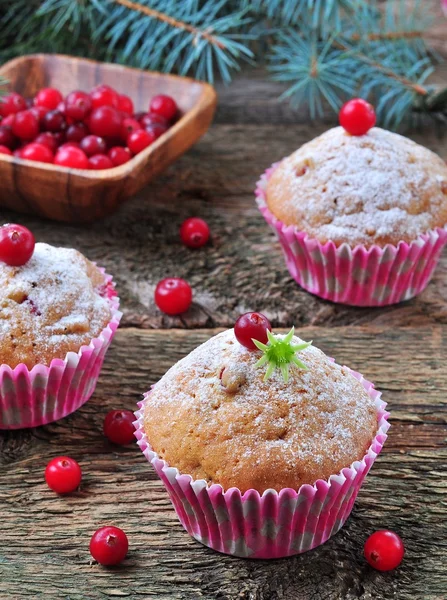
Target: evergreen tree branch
<point x="387" y="35"/>
<point x="411" y="85"/>
<point x="155" y="14"/>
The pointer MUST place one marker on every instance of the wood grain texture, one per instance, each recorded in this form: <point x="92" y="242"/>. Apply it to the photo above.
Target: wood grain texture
<point x="75" y="195"/>
<point x="44" y="550"/>
<point x="243" y="268"/>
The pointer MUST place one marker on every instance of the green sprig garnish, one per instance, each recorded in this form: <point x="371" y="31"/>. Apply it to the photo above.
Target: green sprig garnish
<point x="280" y="353"/>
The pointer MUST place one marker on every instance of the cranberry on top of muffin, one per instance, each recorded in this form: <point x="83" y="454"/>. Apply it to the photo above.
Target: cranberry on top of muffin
<point x="226" y="414"/>
<point x="378" y="188"/>
<point x="53" y="304"/>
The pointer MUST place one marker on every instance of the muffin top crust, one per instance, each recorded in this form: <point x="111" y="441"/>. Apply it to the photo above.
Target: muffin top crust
<point x="214" y="417"/>
<point x="379" y="188"/>
<point x="53" y="304"/>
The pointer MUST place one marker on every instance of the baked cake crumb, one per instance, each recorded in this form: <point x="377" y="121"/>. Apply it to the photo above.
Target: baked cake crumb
<point x="53" y="304"/>
<point x="379" y="188"/>
<point x="258" y="434"/>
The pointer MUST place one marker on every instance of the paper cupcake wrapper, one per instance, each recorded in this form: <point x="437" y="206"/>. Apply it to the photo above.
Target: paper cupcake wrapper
<point x="29" y="398"/>
<point x="357" y="276"/>
<point x="274" y="524"/>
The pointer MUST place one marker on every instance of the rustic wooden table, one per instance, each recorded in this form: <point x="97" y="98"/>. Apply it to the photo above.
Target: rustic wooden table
<point x="403" y="349"/>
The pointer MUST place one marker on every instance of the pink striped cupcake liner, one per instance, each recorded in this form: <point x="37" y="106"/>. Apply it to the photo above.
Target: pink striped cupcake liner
<point x="29" y="398"/>
<point x="274" y="524"/>
<point x="357" y="276"/>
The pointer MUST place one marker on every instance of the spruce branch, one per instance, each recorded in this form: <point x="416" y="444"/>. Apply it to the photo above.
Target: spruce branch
<point x="150" y="12"/>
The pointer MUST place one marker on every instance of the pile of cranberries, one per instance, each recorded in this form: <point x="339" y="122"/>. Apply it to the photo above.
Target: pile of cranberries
<point x="96" y="130"/>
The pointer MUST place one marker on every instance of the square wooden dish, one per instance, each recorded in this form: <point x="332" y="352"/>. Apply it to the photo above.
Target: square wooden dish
<point x="76" y="195"/>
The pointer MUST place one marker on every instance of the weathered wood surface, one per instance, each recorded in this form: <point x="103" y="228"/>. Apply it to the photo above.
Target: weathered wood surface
<point x="44" y="538"/>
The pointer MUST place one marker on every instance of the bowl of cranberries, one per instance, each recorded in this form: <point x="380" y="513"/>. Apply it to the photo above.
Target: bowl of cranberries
<point x="79" y="137"/>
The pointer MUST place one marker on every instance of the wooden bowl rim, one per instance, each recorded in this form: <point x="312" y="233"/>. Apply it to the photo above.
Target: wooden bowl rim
<point x="207" y="97"/>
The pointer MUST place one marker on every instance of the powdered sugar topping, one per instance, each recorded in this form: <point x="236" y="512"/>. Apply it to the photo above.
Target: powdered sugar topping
<point x="377" y="188"/>
<point x="52" y="301"/>
<point x="321" y="412"/>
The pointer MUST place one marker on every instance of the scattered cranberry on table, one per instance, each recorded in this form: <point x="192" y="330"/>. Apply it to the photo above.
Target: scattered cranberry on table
<point x="194" y="232"/>
<point x="357" y="116"/>
<point x="173" y="295"/>
<point x="118" y="427"/>
<point x="103" y="114"/>
<point x="63" y="475"/>
<point x="251" y="326"/>
<point x="109" y="546"/>
<point x="16" y="244"/>
<point x="384" y="550"/>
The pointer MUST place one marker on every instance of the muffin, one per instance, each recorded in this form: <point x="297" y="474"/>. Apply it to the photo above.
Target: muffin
<point x="261" y="467"/>
<point x="361" y="219"/>
<point x="58" y="314"/>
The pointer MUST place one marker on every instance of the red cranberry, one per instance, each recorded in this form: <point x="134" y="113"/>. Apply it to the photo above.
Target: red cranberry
<point x="194" y="232"/>
<point x="76" y="132"/>
<point x="25" y="126"/>
<point x="139" y="115"/>
<point x="109" y="546"/>
<point x="11" y="104"/>
<point x="39" y="112"/>
<point x="105" y="121"/>
<point x="156" y="130"/>
<point x="129" y="126"/>
<point x="47" y="139"/>
<point x="118" y="427"/>
<point x="104" y="95"/>
<point x="16" y="245"/>
<point x="98" y="162"/>
<point x="252" y="326"/>
<point x="39" y="152"/>
<point x="5" y="150"/>
<point x="93" y="144"/>
<point x="9" y="120"/>
<point x="119" y="155"/>
<point x="151" y="118"/>
<point x="48" y="97"/>
<point x="54" y="120"/>
<point x="165" y="106"/>
<point x="6" y="136"/>
<point x="69" y="145"/>
<point x="125" y="104"/>
<point x="173" y="295"/>
<point x="71" y="157"/>
<point x="357" y="116"/>
<point x="384" y="550"/>
<point x="63" y="475"/>
<point x="59" y="136"/>
<point x="77" y="105"/>
<point x="139" y="140"/>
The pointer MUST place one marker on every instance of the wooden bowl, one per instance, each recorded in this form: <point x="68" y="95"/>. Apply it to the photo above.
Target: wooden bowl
<point x="77" y="195"/>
